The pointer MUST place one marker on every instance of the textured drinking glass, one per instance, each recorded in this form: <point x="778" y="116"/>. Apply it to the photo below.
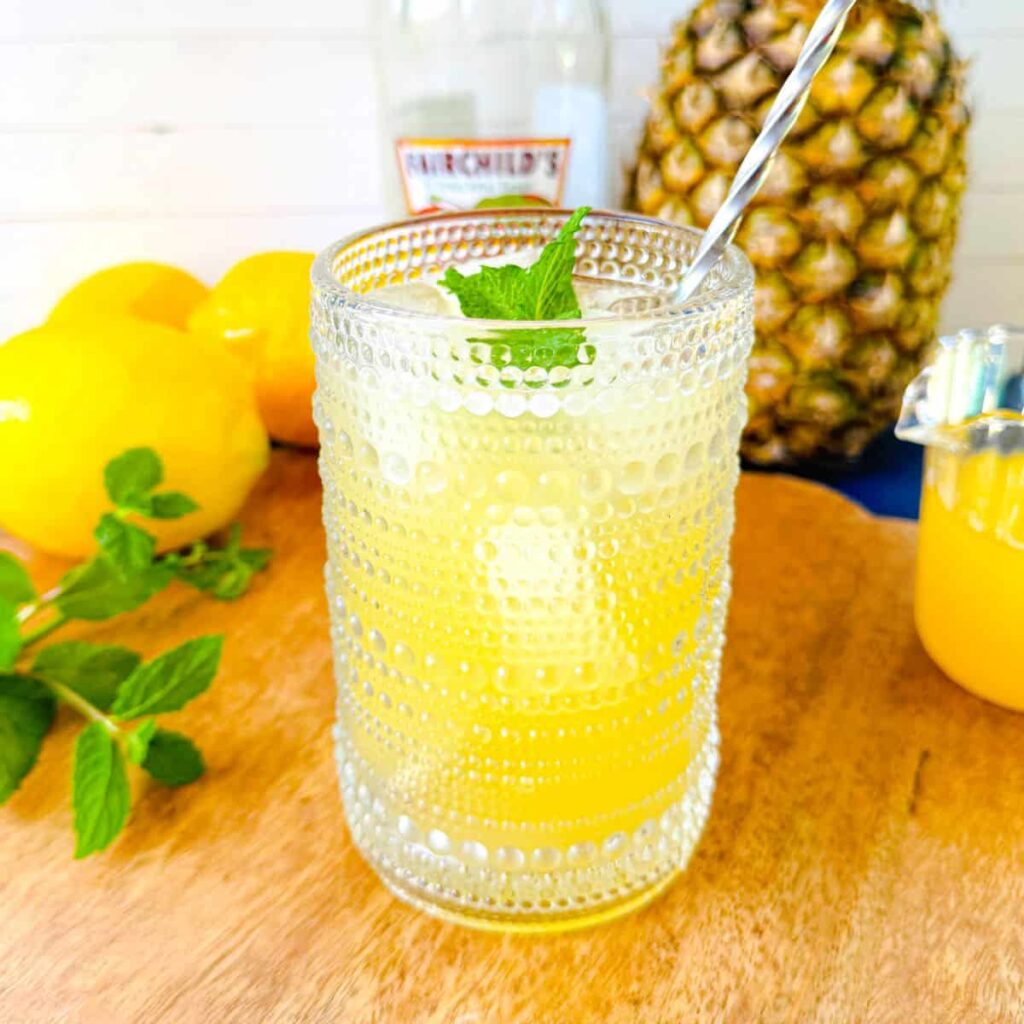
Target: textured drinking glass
<point x="528" y="567"/>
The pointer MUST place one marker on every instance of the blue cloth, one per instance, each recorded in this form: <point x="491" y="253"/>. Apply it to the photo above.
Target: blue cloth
<point x="887" y="481"/>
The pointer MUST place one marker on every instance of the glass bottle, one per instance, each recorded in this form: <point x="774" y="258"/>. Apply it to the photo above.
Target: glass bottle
<point x="489" y="99"/>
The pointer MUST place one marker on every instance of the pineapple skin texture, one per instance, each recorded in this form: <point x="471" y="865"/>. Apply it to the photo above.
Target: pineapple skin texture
<point x="852" y="234"/>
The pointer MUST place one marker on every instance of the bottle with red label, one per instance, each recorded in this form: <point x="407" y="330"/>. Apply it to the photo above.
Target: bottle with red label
<point x="494" y="102"/>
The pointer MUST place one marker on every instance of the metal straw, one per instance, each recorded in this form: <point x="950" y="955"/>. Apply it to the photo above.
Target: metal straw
<point x="817" y="48"/>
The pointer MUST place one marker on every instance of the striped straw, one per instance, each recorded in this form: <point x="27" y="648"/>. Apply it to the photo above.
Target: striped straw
<point x="817" y="48"/>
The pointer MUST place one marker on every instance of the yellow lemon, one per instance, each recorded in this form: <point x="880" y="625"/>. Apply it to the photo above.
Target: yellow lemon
<point x="260" y="309"/>
<point x="73" y="396"/>
<point x="149" y="291"/>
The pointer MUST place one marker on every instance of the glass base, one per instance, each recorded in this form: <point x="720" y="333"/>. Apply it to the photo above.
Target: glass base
<point x="543" y="924"/>
<point x="459" y="879"/>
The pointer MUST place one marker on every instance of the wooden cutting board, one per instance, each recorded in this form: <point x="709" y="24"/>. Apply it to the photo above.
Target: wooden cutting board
<point x="864" y="861"/>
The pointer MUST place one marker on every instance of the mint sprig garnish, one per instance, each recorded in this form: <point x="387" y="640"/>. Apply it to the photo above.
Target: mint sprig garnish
<point x="110" y="686"/>
<point x="542" y="291"/>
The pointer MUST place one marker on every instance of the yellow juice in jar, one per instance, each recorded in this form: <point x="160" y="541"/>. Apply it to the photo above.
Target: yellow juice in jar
<point x="970" y="574"/>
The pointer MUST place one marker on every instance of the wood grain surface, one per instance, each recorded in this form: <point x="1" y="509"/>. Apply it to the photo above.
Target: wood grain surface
<point x="864" y="861"/>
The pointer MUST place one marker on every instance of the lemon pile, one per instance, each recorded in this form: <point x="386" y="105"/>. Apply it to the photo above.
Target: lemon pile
<point x="144" y="355"/>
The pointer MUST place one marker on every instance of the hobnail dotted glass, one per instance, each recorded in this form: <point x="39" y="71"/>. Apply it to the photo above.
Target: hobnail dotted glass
<point x="527" y="568"/>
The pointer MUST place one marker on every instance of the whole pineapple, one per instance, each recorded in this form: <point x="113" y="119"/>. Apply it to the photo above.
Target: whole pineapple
<point x="852" y="234"/>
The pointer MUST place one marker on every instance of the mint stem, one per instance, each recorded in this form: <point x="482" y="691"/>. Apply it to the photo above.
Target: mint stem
<point x="197" y="554"/>
<point x="28" y="611"/>
<point x="33" y="636"/>
<point x="75" y="700"/>
<point x="43" y="602"/>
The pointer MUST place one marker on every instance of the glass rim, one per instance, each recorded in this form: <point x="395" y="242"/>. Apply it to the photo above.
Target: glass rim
<point x="739" y="275"/>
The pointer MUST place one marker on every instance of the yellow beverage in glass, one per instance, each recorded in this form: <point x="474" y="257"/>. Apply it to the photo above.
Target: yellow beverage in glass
<point x="527" y="565"/>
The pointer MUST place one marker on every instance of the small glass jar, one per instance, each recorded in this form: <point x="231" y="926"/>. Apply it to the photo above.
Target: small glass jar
<point x="968" y="408"/>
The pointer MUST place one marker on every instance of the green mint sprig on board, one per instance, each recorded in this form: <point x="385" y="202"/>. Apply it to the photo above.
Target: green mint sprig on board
<point x="110" y="687"/>
<point x="542" y="291"/>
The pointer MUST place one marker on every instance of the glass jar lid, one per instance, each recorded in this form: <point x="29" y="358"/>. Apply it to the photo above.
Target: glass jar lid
<point x="971" y="394"/>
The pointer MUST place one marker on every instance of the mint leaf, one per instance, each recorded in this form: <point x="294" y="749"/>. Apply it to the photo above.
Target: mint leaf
<point x="15" y="584"/>
<point x="550" y="278"/>
<point x="96" y="590"/>
<point x="165" y="505"/>
<point x="131" y="476"/>
<point x="230" y="583"/>
<point x="170" y="681"/>
<point x="139" y="739"/>
<point x="224" y="573"/>
<point x="10" y="633"/>
<point x="92" y="670"/>
<point x="129" y="548"/>
<point x="173" y="759"/>
<point x="170" y="505"/>
<point x="99" y="790"/>
<point x="256" y="559"/>
<point x="492" y="293"/>
<point x="225" y="577"/>
<point x="543" y="291"/>
<point x="545" y="348"/>
<point x="26" y="714"/>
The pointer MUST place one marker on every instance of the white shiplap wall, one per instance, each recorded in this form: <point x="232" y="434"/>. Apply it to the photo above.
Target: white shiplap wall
<point x="198" y="131"/>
